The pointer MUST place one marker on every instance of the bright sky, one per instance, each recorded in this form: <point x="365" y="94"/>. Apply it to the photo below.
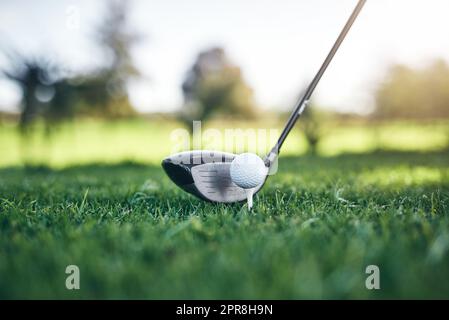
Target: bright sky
<point x="278" y="43"/>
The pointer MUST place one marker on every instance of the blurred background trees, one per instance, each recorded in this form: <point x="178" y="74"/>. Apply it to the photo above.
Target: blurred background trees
<point x="116" y="38"/>
<point x="32" y="75"/>
<point x="404" y="94"/>
<point x="313" y="125"/>
<point x="50" y="95"/>
<point x="414" y="94"/>
<point x="214" y="86"/>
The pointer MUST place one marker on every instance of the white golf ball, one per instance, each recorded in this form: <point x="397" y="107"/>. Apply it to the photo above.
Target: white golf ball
<point x="248" y="170"/>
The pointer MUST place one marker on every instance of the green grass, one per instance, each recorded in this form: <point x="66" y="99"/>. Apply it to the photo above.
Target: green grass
<point x="315" y="227"/>
<point x="84" y="141"/>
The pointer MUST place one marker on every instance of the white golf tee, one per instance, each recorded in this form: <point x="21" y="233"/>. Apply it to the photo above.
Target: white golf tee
<point x="249" y="197"/>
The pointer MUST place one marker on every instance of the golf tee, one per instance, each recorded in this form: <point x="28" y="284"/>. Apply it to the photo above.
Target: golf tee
<point x="249" y="197"/>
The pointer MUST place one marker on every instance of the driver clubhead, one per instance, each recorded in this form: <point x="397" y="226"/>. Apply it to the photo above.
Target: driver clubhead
<point x="206" y="175"/>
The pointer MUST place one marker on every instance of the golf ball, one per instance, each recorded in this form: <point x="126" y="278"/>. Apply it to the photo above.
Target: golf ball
<point x="248" y="170"/>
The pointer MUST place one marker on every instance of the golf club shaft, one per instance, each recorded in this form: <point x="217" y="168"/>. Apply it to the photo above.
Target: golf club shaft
<point x="302" y="104"/>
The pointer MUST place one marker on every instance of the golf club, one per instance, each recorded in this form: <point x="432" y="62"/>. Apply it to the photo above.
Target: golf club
<point x="207" y="174"/>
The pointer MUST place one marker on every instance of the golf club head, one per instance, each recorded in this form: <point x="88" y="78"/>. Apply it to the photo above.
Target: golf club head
<point x="206" y="175"/>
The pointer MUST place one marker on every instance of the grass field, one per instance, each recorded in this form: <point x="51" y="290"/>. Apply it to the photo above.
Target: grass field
<point x="93" y="194"/>
<point x="316" y="226"/>
<point x="85" y="142"/>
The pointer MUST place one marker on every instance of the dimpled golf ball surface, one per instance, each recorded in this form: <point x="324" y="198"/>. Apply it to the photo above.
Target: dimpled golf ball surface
<point x="248" y="170"/>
